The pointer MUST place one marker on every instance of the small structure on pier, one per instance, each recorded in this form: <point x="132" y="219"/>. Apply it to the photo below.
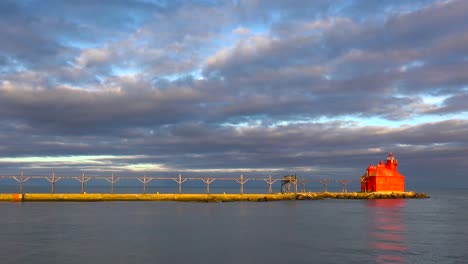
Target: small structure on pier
<point x="383" y="177"/>
<point x="289" y="184"/>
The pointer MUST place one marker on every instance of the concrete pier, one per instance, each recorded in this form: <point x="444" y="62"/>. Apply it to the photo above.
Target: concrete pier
<point x="97" y="197"/>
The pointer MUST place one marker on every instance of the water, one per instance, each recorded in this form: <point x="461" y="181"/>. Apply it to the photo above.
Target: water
<point x="431" y="230"/>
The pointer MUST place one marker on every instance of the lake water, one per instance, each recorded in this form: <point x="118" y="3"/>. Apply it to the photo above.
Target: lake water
<point x="431" y="230"/>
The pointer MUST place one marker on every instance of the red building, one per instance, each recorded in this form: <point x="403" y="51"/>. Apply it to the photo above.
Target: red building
<point x="383" y="177"/>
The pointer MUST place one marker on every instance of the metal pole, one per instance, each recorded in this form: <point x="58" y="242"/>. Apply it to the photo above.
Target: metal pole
<point x="144" y="184"/>
<point x="180" y="183"/>
<point x="295" y="183"/>
<point x="112" y="182"/>
<point x="270" y="189"/>
<point x="324" y="183"/>
<point x="21" y="182"/>
<point x="242" y="184"/>
<point x="207" y="184"/>
<point x="53" y="182"/>
<point x="82" y="182"/>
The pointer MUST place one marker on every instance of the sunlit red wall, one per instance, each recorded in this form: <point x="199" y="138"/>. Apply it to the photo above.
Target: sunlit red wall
<point x="383" y="177"/>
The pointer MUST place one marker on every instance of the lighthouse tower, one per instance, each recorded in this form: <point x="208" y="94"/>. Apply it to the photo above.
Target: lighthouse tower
<point x="383" y="177"/>
<point x="392" y="163"/>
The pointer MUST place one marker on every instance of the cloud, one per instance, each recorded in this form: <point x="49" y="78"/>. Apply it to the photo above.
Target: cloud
<point x="92" y="57"/>
<point x="78" y="111"/>
<point x="336" y="147"/>
<point x="453" y="104"/>
<point x="260" y="86"/>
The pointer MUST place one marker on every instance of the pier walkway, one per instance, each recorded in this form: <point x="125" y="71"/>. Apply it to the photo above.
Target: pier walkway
<point x="293" y="183"/>
<point x="97" y="197"/>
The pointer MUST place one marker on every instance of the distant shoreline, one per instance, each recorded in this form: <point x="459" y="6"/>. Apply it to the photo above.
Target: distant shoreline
<point x="185" y="197"/>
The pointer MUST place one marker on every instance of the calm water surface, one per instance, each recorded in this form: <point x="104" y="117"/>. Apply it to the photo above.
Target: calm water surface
<point x="432" y="230"/>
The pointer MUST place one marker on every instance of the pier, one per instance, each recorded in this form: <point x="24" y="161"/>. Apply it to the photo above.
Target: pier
<point x="290" y="183"/>
<point x="101" y="197"/>
<point x="292" y="188"/>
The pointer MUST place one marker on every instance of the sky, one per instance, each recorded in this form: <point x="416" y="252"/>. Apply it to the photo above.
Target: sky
<point x="205" y="87"/>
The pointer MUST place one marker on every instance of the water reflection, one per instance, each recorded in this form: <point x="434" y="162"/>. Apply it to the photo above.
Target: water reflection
<point x="387" y="230"/>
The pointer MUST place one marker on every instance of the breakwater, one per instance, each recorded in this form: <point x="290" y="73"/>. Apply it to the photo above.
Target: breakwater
<point x="97" y="197"/>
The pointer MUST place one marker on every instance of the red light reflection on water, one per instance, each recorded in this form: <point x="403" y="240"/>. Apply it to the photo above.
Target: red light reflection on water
<point x="387" y="230"/>
<point x="389" y="203"/>
<point x="389" y="246"/>
<point x="388" y="236"/>
<point x="390" y="259"/>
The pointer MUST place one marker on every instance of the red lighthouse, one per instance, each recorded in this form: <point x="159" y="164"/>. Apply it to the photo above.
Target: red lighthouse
<point x="383" y="177"/>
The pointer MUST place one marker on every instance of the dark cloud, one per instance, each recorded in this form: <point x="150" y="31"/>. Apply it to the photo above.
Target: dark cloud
<point x="253" y="86"/>
<point x="454" y="104"/>
<point x="77" y="111"/>
<point x="345" y="49"/>
<point x="337" y="148"/>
